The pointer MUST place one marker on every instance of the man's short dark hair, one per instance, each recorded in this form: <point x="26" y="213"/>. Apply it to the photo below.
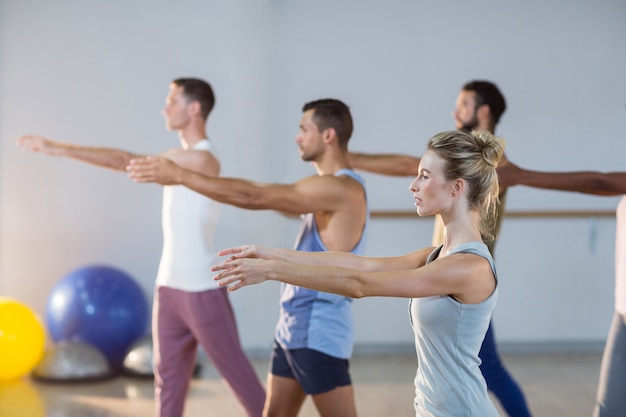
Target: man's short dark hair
<point x="488" y="93"/>
<point x="195" y="89"/>
<point x="332" y="113"/>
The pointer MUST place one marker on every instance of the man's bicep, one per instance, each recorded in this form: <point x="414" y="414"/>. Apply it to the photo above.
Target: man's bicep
<point x="305" y="196"/>
<point x="320" y="193"/>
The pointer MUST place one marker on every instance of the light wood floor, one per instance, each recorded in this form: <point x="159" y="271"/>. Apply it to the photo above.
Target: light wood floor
<point x="555" y="385"/>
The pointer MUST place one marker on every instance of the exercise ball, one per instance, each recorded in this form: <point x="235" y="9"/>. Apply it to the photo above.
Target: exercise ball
<point x="71" y="361"/>
<point x="20" y="399"/>
<point x="22" y="339"/>
<point x="99" y="305"/>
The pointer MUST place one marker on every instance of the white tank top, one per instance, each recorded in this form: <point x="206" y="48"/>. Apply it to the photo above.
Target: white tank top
<point x="189" y="221"/>
<point x="620" y="258"/>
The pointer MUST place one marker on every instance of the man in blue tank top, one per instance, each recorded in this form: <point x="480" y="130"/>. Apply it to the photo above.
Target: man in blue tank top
<point x="314" y="334"/>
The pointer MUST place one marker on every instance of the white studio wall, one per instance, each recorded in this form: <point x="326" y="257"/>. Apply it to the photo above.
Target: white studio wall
<point x="97" y="73"/>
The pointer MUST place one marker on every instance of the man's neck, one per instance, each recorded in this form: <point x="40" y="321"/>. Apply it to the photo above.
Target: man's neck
<point x="486" y="126"/>
<point x="190" y="136"/>
<point x="331" y="164"/>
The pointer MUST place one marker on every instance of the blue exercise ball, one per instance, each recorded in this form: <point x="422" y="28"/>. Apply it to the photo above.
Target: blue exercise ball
<point x="99" y="305"/>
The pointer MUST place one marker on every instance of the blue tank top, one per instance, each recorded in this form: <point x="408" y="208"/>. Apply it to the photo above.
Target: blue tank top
<point x="314" y="319"/>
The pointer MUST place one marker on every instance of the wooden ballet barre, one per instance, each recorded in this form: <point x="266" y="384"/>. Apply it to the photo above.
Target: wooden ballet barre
<point x="399" y="214"/>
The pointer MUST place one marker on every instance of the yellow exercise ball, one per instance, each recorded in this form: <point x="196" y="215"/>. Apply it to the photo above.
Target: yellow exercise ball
<point x="22" y="339"/>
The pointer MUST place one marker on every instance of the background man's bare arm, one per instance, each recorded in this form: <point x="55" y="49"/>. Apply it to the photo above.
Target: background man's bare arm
<point x="116" y="159"/>
<point x="386" y="164"/>
<point x="588" y="182"/>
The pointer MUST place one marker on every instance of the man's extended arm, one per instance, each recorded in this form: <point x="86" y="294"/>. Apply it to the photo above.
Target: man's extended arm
<point x="386" y="164"/>
<point x="612" y="183"/>
<point x="311" y="194"/>
<point x="115" y="159"/>
<point x="588" y="182"/>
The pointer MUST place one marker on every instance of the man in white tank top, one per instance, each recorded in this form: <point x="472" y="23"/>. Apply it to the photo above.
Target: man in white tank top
<point x="189" y="310"/>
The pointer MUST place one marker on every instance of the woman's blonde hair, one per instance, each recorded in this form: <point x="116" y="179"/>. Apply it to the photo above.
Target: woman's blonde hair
<point x="473" y="156"/>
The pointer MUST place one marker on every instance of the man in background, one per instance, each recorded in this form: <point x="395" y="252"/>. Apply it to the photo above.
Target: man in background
<point x="189" y="309"/>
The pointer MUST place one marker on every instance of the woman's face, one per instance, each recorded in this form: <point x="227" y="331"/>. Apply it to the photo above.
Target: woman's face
<point x="431" y="190"/>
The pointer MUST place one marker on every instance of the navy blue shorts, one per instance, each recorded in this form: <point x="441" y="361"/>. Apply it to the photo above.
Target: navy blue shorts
<point x="315" y="371"/>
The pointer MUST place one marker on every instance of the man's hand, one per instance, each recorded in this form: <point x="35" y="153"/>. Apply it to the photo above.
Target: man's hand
<point x="155" y="169"/>
<point x="36" y="143"/>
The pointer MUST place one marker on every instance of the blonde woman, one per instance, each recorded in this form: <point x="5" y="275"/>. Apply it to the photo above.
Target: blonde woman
<point x="452" y="289"/>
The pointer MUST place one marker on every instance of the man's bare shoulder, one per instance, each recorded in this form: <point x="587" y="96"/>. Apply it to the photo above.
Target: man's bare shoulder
<point x="342" y="183"/>
<point x="351" y="183"/>
<point x="198" y="160"/>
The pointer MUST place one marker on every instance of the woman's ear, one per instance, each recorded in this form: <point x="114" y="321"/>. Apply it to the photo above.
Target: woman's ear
<point x="458" y="186"/>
